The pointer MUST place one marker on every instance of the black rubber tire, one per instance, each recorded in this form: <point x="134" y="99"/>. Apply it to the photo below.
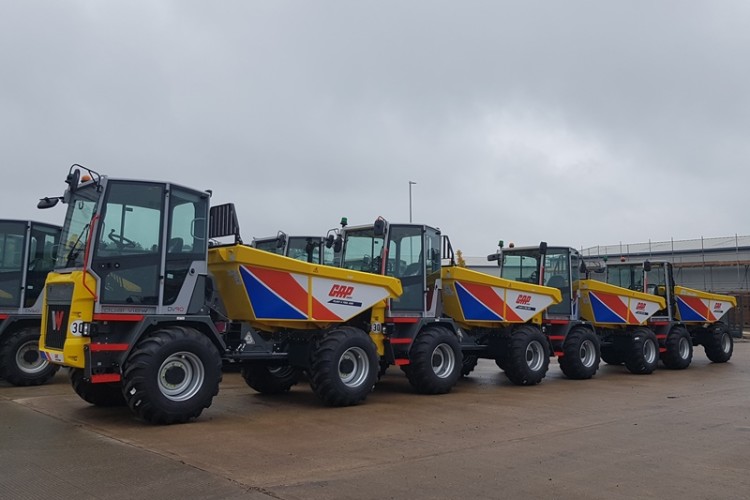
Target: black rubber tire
<point x="718" y="343"/>
<point x="344" y="366"/>
<point x="581" y="354"/>
<point x="436" y="361"/>
<point x="679" y="351"/>
<point x="470" y="362"/>
<point x="502" y="348"/>
<point x="612" y="355"/>
<point x="172" y="375"/>
<point x="382" y="368"/>
<point x="103" y="395"/>
<point x="270" y="378"/>
<point x="500" y="361"/>
<point x="20" y="361"/>
<point x="643" y="356"/>
<point x="527" y="360"/>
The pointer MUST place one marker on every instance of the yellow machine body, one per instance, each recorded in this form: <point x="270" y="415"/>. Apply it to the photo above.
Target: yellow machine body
<point x="62" y="341"/>
<point x="272" y="291"/>
<point x="475" y="299"/>
<point x="613" y="306"/>
<point x="697" y="306"/>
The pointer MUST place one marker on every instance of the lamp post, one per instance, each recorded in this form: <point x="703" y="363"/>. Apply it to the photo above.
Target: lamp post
<point x="410" y="185"/>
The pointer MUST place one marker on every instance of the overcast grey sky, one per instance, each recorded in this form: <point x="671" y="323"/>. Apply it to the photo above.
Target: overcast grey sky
<point x="575" y="122"/>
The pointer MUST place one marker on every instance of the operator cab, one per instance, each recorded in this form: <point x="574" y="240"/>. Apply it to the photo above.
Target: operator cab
<point x="410" y="252"/>
<point x="555" y="267"/>
<point x="305" y="248"/>
<point x="146" y="242"/>
<point x="654" y="278"/>
<point x="27" y="254"/>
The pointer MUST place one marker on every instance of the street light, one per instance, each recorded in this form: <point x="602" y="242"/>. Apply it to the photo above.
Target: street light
<point x="410" y="185"/>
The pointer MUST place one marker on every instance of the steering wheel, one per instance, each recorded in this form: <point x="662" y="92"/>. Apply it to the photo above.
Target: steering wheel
<point x="120" y="240"/>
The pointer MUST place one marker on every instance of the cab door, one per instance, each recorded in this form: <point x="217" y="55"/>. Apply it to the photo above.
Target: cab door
<point x="128" y="244"/>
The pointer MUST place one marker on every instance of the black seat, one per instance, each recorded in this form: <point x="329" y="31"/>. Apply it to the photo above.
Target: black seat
<point x="175" y="245"/>
<point x="557" y="281"/>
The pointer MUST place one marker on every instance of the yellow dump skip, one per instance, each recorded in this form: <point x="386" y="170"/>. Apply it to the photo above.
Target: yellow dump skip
<point x="274" y="291"/>
<point x="477" y="299"/>
<point x="697" y="306"/>
<point x="609" y="305"/>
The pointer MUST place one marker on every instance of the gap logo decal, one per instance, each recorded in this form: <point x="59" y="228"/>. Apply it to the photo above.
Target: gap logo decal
<point x="346" y="299"/>
<point x="342" y="294"/>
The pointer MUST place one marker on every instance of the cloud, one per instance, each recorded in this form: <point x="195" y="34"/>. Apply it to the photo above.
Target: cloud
<point x="581" y="123"/>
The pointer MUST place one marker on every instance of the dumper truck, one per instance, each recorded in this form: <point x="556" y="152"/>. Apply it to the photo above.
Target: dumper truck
<point x="147" y="299"/>
<point x="686" y="318"/>
<point x="27" y="251"/>
<point x="577" y="329"/>
<point x="475" y="315"/>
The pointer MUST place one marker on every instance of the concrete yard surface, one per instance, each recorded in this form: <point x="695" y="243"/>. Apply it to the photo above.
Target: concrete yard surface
<point x="673" y="434"/>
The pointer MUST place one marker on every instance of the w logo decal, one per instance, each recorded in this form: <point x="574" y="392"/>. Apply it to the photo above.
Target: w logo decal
<point x="57" y="320"/>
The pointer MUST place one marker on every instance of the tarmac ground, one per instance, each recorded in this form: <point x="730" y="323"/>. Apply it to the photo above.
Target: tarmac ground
<point x="673" y="434"/>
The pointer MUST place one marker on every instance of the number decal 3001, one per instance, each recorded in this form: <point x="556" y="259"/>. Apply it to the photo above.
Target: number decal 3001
<point x="76" y="328"/>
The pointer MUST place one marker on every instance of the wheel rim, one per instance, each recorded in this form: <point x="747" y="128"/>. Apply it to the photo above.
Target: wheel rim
<point x="684" y="348"/>
<point x="28" y="358"/>
<point x="649" y="351"/>
<point x="181" y="376"/>
<point x="443" y="360"/>
<point x="353" y="367"/>
<point x="726" y="342"/>
<point x="587" y="353"/>
<point x="534" y="355"/>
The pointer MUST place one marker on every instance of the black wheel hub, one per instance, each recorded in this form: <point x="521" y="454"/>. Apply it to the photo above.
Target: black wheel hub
<point x="346" y="366"/>
<point x="174" y="375"/>
<point x="31" y="357"/>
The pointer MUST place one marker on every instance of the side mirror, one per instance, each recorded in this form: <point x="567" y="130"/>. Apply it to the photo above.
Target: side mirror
<point x="543" y="247"/>
<point x="379" y="228"/>
<point x="47" y="202"/>
<point x="582" y="268"/>
<point x="280" y="239"/>
<point x="647" y="266"/>
<point x="72" y="180"/>
<point x="329" y="240"/>
<point x="338" y="244"/>
<point x="494" y="257"/>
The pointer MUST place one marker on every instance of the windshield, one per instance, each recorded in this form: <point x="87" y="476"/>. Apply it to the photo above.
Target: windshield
<point x="11" y="262"/>
<point x="362" y="251"/>
<point x="521" y="267"/>
<point x="304" y="248"/>
<point x="269" y="245"/>
<point x="626" y="276"/>
<point x="76" y="228"/>
<point x="656" y="279"/>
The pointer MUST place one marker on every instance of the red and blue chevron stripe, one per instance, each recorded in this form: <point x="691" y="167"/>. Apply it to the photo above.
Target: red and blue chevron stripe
<point x="609" y="308"/>
<point x="694" y="309"/>
<point x="482" y="303"/>
<point x="278" y="295"/>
